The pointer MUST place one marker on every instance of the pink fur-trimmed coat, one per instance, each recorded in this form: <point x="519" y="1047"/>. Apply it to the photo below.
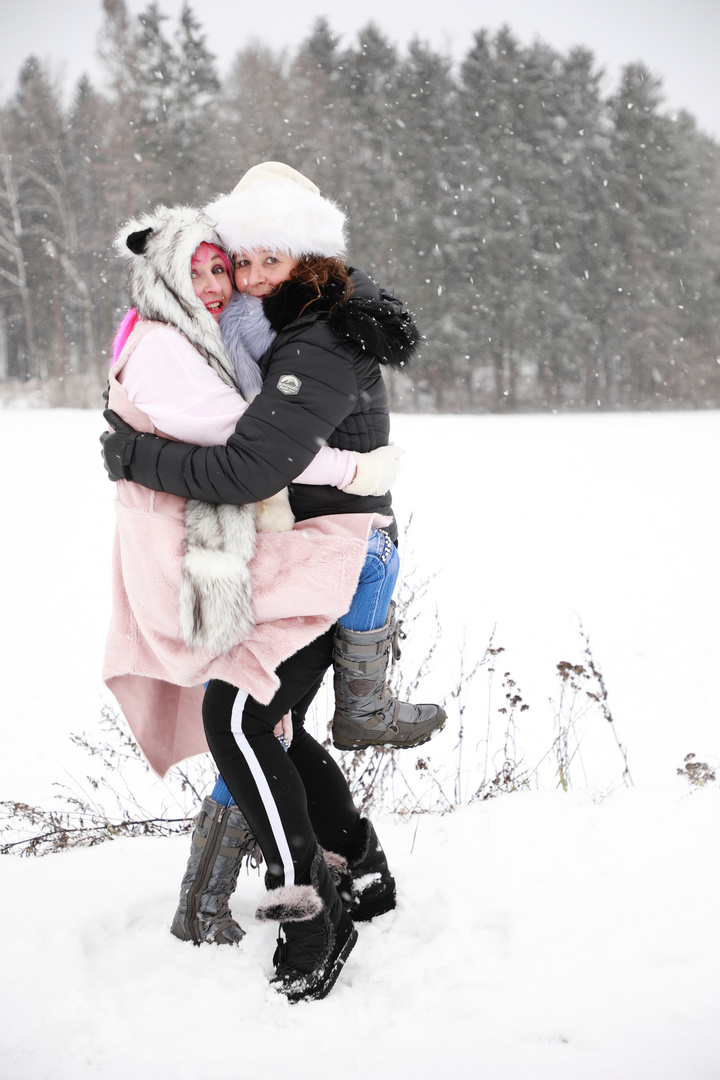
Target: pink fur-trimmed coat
<point x="302" y="581"/>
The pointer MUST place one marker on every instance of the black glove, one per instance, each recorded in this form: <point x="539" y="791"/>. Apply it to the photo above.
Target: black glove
<point x="117" y="446"/>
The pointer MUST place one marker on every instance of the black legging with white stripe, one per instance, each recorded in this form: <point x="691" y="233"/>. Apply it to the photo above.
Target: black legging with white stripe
<point x="292" y="799"/>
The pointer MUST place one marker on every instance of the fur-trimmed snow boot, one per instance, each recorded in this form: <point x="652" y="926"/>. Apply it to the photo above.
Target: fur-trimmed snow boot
<point x="221" y="840"/>
<point x="316" y="935"/>
<point x="363" y="878"/>
<point x="366" y="713"/>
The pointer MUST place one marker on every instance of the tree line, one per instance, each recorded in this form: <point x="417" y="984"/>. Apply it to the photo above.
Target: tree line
<point x="558" y="246"/>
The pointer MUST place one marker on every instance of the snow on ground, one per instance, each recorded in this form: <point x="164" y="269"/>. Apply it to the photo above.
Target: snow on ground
<point x="541" y="934"/>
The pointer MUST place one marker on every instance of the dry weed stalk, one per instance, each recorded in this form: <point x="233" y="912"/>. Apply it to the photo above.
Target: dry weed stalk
<point x="83" y="820"/>
<point x="509" y="773"/>
<point x="697" y="773"/>
<point x="384" y="779"/>
<point x="582" y="690"/>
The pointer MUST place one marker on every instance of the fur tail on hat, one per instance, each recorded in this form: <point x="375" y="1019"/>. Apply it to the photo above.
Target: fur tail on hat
<point x="216" y="609"/>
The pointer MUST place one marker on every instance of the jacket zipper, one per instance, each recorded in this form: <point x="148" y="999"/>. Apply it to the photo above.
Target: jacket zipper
<point x="205" y="866"/>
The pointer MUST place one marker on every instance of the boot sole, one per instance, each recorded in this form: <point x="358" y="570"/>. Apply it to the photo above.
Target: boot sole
<point x="182" y="935"/>
<point x="363" y="744"/>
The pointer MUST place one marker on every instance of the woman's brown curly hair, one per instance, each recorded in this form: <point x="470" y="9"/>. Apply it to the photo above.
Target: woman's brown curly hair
<point x="318" y="271"/>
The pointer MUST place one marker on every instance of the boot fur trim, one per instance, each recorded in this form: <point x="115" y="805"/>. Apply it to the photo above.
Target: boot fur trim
<point x="290" y="903"/>
<point x="336" y="864"/>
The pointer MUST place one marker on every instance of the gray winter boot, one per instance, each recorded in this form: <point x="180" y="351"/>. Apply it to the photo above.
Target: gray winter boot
<point x="366" y="713"/>
<point x="221" y="839"/>
<point x="317" y="935"/>
<point x="363" y="878"/>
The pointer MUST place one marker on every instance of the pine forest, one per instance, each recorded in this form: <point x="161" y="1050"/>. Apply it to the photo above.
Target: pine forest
<point x="559" y="245"/>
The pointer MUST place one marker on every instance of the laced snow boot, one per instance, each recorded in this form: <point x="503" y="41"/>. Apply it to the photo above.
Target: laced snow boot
<point x="363" y="878"/>
<point x="316" y="935"/>
<point x="366" y="713"/>
<point x="221" y="840"/>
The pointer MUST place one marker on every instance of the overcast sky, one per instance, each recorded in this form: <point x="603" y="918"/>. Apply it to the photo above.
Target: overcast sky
<point x="677" y="39"/>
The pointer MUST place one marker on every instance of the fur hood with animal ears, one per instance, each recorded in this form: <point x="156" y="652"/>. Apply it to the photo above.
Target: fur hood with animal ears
<point x="157" y="248"/>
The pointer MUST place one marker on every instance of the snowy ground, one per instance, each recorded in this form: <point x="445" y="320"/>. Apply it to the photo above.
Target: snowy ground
<point x="541" y="934"/>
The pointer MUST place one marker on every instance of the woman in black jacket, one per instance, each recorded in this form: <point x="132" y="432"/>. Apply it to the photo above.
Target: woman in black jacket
<point x="321" y="384"/>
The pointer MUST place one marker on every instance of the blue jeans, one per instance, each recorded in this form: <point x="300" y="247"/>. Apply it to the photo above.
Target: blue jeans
<point x="369" y="607"/>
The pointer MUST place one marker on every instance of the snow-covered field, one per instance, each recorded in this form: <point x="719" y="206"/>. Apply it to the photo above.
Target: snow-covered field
<point x="570" y="935"/>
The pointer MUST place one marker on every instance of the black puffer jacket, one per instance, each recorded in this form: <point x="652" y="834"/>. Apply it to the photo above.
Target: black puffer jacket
<point x="322" y="384"/>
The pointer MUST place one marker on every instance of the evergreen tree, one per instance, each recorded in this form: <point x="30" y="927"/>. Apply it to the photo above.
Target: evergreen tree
<point x="124" y="182"/>
<point x="191" y="113"/>
<point x="87" y="126"/>
<point x="367" y="97"/>
<point x="559" y="125"/>
<point x="559" y="250"/>
<point x="165" y="91"/>
<point x="318" y="123"/>
<point x="255" y="112"/>
<point x="423" y="141"/>
<point x="583" y="164"/>
<point x="155" y="70"/>
<point x="647" y="188"/>
<point x="694" y="376"/>
<point x="491" y="230"/>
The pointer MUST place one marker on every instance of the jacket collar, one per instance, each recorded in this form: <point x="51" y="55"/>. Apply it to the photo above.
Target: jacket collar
<point x="293" y="300"/>
<point x="370" y="317"/>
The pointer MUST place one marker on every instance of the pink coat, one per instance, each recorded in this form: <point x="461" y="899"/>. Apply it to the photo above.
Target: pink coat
<point x="302" y="582"/>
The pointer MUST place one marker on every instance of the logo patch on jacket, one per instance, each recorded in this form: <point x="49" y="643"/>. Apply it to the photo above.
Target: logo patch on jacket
<point x="289" y="384"/>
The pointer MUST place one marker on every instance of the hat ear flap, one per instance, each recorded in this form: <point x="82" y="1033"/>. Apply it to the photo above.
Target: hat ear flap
<point x="137" y="241"/>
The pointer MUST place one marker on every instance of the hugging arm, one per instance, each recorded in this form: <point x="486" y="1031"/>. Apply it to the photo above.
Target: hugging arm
<point x="274" y="441"/>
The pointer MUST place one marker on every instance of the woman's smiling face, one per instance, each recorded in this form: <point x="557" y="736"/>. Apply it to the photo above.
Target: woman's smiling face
<point x="211" y="280"/>
<point x="260" y="272"/>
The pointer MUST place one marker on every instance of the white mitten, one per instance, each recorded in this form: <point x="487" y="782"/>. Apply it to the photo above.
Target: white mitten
<point x="274" y="514"/>
<point x="376" y="471"/>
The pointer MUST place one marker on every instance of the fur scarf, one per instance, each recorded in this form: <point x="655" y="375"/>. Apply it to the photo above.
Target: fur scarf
<point x="379" y="323"/>
<point x="247" y="335"/>
<point x="216" y="610"/>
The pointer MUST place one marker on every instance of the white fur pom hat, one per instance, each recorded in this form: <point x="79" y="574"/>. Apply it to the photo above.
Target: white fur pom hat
<point x="276" y="208"/>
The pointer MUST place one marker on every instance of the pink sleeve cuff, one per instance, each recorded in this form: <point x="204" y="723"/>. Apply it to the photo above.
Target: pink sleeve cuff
<point x="330" y="466"/>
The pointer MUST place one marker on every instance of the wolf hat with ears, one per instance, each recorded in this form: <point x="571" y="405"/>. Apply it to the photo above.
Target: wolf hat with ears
<point x="157" y="248"/>
<point x="276" y="208"/>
